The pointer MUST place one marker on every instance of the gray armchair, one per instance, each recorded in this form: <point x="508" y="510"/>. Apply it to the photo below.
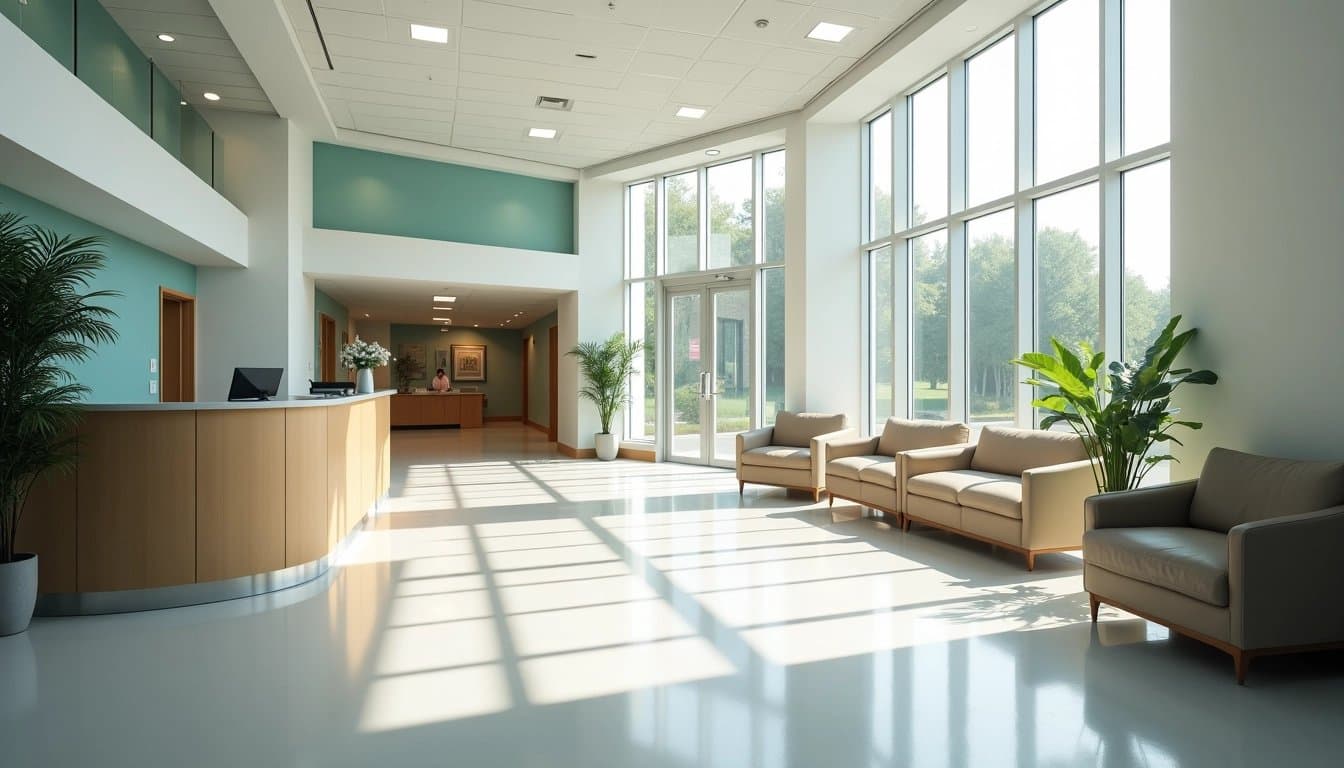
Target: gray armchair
<point x="1245" y="559"/>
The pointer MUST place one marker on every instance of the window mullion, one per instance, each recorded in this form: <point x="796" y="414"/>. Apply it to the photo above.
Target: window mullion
<point x="1111" y="260"/>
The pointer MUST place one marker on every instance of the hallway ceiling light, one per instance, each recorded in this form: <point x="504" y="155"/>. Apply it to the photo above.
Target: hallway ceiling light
<point x="443" y="309"/>
<point x="712" y="152"/>
<point x="449" y="299"/>
<point x="211" y="96"/>
<point x="167" y="38"/>
<point x="475" y="325"/>
<point x="183" y="102"/>
<point x="829" y="33"/>
<point x="541" y="133"/>
<point x="694" y="113"/>
<point x="444" y="319"/>
<point x="429" y="34"/>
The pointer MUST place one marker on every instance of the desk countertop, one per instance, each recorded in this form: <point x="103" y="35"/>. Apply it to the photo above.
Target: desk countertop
<point x="293" y="401"/>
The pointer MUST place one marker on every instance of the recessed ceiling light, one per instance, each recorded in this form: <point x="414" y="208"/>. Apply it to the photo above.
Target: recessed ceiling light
<point x="971" y="28"/>
<point x="712" y="152"/>
<point x="542" y="133"/>
<point x="211" y="96"/>
<point x="165" y="37"/>
<point x="475" y="325"/>
<point x="428" y="33"/>
<point x="830" y="33"/>
<point x="449" y="299"/>
<point x="694" y="113"/>
<point x="183" y="102"/>
<point x="444" y="319"/>
<point x="366" y="314"/>
<point x="443" y="309"/>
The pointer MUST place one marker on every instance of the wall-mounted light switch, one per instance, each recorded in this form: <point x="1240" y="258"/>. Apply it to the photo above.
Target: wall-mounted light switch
<point x="153" y="386"/>
<point x="153" y="365"/>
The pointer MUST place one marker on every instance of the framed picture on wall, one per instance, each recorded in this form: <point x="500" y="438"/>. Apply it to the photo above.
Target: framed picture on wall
<point x="468" y="362"/>
<point x="441" y="361"/>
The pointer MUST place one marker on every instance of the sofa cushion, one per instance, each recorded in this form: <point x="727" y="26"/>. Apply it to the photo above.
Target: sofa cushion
<point x="1001" y="495"/>
<point x="798" y="429"/>
<point x="907" y="435"/>
<point x="882" y="473"/>
<point x="947" y="486"/>
<point x="849" y="466"/>
<point x="1236" y="488"/>
<point x="1191" y="561"/>
<point x="1008" y="451"/>
<point x="779" y="456"/>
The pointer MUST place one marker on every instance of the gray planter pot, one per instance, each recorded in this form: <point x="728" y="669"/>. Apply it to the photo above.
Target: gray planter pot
<point x="18" y="593"/>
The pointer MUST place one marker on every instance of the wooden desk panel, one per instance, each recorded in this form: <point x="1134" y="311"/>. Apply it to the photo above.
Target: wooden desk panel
<point x="48" y="527"/>
<point x="137" y="483"/>
<point x="338" y="437"/>
<point x="473" y="411"/>
<point x="305" y="485"/>
<point x="453" y="409"/>
<point x="240" y="484"/>
<point x="383" y="437"/>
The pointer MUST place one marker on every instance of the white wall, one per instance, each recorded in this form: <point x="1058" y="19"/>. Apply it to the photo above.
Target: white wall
<point x="824" y="312"/>
<point x="1257" y="231"/>
<point x="244" y="315"/>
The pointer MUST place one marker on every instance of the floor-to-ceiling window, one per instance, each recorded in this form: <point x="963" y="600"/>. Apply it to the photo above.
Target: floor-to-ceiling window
<point x="725" y="221"/>
<point x="1019" y="193"/>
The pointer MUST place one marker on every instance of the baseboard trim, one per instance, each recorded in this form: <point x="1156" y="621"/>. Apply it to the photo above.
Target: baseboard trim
<point x="576" y="453"/>
<point x="637" y="454"/>
<point x="538" y="427"/>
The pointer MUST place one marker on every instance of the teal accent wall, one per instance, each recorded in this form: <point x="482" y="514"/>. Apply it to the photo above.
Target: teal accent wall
<point x="50" y="23"/>
<point x="109" y="62"/>
<point x="167" y="114"/>
<point x="359" y="190"/>
<point x="325" y="305"/>
<point x="503" y="385"/>
<point x="118" y="373"/>
<point x="198" y="145"/>
<point x="539" y="371"/>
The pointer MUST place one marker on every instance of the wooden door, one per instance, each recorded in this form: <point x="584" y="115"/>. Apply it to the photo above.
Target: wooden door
<point x="528" y="342"/>
<point x="553" y="363"/>
<point x="326" y="348"/>
<point x="177" y="347"/>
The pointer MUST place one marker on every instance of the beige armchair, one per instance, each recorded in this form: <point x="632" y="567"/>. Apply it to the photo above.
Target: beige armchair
<point x="1021" y="489"/>
<point x="792" y="453"/>
<point x="865" y="470"/>
<point x="1246" y="558"/>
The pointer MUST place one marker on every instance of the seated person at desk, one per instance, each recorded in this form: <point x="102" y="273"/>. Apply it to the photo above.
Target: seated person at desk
<point x="440" y="382"/>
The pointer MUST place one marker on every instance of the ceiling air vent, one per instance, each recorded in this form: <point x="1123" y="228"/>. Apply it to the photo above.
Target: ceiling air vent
<point x="553" y="102"/>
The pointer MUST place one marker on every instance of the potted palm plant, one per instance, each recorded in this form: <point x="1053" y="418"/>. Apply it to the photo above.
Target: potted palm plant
<point x="1120" y="415"/>
<point x="364" y="356"/>
<point x="48" y="321"/>
<point x="607" y="366"/>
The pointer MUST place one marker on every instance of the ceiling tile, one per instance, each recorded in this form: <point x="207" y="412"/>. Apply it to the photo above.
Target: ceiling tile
<point x="522" y="21"/>
<point x="349" y="24"/>
<point x="441" y="12"/>
<point x="675" y="43"/>
<point x="782" y="17"/>
<point x="793" y="60"/>
<point x="735" y="51"/>
<point x="775" y="79"/>
<point x="701" y="93"/>
<point x="718" y="72"/>
<point x="660" y="64"/>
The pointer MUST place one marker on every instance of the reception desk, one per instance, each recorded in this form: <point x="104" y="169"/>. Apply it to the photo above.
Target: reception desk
<point x="439" y="409"/>
<point x="182" y="503"/>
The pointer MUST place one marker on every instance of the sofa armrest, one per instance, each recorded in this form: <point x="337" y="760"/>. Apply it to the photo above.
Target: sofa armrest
<point x="1052" y="504"/>
<point x="944" y="458"/>
<point x="859" y="446"/>
<point x="1155" y="506"/>
<point x="819" y="447"/>
<point x="1284" y="580"/>
<point x="756" y="438"/>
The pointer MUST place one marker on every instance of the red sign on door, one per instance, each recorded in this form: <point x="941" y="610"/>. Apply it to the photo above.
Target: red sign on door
<point x="695" y="349"/>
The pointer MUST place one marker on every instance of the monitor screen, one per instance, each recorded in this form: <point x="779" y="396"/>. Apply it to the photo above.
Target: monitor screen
<point x="255" y="383"/>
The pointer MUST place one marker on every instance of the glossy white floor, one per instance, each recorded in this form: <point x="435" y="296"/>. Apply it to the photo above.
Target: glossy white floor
<point x="511" y="608"/>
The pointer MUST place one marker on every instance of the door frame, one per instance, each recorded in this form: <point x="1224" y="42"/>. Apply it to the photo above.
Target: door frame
<point x="186" y="368"/>
<point x="326" y="351"/>
<point x="553" y="381"/>
<point x="707" y="288"/>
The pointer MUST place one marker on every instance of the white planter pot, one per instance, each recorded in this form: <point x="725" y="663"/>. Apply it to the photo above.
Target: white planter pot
<point x="18" y="593"/>
<point x="364" y="382"/>
<point x="607" y="446"/>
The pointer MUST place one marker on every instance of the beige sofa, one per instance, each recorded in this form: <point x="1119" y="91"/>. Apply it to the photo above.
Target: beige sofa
<point x="865" y="470"/>
<point x="792" y="453"/>
<point x="1245" y="559"/>
<point x="1022" y="489"/>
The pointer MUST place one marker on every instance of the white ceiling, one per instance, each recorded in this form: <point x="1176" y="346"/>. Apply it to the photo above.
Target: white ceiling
<point x="202" y="58"/>
<point x="411" y="301"/>
<point x="479" y="91"/>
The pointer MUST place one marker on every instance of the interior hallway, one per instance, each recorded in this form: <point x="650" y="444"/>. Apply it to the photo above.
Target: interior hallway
<point x="510" y="607"/>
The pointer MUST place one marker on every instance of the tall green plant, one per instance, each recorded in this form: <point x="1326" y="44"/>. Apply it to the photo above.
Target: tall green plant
<point x="607" y="366"/>
<point x="1120" y="415"/>
<point x="47" y="321"/>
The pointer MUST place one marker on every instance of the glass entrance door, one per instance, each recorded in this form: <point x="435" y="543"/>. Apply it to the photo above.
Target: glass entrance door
<point x="710" y="350"/>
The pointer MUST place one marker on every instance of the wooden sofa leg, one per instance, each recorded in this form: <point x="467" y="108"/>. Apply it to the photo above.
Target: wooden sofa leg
<point x="1091" y="598"/>
<point x="816" y="495"/>
<point x="1241" y="660"/>
<point x="1031" y="561"/>
<point x="741" y="484"/>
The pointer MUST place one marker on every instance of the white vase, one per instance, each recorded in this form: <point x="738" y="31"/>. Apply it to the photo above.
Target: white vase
<point x="364" y="382"/>
<point x="608" y="445"/>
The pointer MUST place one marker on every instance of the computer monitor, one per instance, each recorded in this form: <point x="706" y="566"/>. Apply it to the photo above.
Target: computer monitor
<point x="255" y="383"/>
